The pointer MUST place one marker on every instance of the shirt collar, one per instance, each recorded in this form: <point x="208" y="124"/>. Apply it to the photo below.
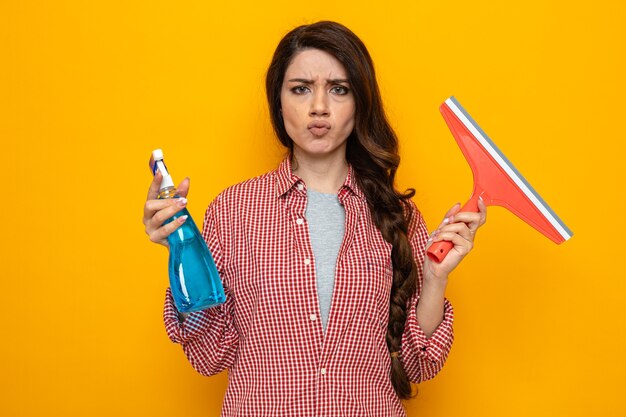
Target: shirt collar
<point x="286" y="180"/>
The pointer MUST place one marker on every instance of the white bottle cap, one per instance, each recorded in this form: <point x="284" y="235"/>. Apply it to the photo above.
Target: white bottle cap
<point x="157" y="156"/>
<point x="167" y="178"/>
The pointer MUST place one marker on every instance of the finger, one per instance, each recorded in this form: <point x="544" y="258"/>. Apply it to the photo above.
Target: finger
<point x="183" y="187"/>
<point x="450" y="213"/>
<point x="461" y="245"/>
<point x="459" y="228"/>
<point x="152" y="206"/>
<point x="482" y="209"/>
<point x="153" y="191"/>
<point x="159" y="235"/>
<point x="472" y="220"/>
<point x="454" y="228"/>
<point x="429" y="242"/>
<point x="155" y="221"/>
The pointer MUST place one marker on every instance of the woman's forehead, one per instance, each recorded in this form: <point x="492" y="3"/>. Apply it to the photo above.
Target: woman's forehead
<point x="313" y="64"/>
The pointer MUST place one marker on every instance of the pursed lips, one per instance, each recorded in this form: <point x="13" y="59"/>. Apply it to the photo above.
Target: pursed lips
<point x="318" y="127"/>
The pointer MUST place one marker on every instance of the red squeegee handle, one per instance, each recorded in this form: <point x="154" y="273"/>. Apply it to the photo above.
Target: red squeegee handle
<point x="438" y="250"/>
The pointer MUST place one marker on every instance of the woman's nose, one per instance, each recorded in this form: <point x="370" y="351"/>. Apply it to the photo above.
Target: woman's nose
<point x="319" y="104"/>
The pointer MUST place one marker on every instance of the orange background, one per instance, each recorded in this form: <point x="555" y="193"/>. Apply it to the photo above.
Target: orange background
<point x="88" y="89"/>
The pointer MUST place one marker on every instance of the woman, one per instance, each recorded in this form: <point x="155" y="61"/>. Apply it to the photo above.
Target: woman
<point x="332" y="307"/>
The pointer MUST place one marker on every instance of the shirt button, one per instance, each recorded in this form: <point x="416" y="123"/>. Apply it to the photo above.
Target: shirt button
<point x="299" y="221"/>
<point x="307" y="261"/>
<point x="323" y="371"/>
<point x="300" y="187"/>
<point x="313" y="317"/>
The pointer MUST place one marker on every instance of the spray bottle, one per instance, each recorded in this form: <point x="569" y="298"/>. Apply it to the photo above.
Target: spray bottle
<point x="194" y="280"/>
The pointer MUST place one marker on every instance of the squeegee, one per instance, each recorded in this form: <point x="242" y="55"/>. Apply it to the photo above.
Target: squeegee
<point x="496" y="181"/>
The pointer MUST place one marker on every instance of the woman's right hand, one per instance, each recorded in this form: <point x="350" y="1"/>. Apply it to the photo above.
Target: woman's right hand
<point x="157" y="211"/>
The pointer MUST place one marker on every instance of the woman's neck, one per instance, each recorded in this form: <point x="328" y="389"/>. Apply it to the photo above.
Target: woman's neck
<point x="325" y="175"/>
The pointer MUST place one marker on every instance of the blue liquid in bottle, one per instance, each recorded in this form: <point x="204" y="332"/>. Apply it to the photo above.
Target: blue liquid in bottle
<point x="194" y="280"/>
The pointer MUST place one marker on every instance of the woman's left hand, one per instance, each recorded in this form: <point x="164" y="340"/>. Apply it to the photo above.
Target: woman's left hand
<point x="459" y="228"/>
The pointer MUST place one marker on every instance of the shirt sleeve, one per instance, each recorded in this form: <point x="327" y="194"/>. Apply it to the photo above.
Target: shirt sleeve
<point x="208" y="337"/>
<point x="423" y="357"/>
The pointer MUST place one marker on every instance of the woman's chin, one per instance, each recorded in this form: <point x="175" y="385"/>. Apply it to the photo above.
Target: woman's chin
<point x="320" y="152"/>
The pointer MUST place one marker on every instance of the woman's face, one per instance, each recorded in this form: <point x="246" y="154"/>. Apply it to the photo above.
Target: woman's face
<point x="317" y="105"/>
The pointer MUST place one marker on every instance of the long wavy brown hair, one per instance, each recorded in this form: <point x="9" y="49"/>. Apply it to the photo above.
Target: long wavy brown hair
<point x="372" y="150"/>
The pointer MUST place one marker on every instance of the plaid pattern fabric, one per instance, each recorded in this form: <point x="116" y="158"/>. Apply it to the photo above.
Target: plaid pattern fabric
<point x="268" y="333"/>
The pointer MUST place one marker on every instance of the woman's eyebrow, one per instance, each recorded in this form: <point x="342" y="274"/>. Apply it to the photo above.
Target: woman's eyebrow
<point x="338" y="81"/>
<point x="329" y="81"/>
<point x="300" y="80"/>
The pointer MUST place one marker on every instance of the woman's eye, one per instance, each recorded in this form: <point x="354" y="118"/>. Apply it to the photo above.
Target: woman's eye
<point x="340" y="90"/>
<point x="301" y="89"/>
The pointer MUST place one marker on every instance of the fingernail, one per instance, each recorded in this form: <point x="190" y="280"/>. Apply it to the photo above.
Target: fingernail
<point x="450" y="219"/>
<point x="446" y="220"/>
<point x="182" y="219"/>
<point x="480" y="197"/>
<point x="182" y="201"/>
